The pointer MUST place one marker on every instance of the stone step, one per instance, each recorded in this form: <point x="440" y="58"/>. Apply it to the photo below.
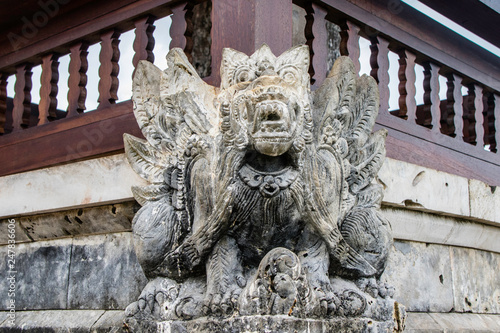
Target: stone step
<point x="100" y="321"/>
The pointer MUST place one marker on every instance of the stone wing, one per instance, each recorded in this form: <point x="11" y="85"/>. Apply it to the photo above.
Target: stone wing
<point x="345" y="109"/>
<point x="175" y="111"/>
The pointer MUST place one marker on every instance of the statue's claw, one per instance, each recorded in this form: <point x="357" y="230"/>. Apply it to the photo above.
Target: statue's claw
<point x="155" y="301"/>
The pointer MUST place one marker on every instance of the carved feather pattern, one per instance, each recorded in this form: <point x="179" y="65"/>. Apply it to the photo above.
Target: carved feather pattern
<point x="173" y="108"/>
<point x="144" y="159"/>
<point x="143" y="194"/>
<point x="362" y="174"/>
<point x="366" y="108"/>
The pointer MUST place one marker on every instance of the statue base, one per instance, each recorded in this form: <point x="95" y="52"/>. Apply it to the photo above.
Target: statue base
<point x="277" y="323"/>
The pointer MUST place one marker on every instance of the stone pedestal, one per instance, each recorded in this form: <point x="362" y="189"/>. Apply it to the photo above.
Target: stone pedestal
<point x="282" y="324"/>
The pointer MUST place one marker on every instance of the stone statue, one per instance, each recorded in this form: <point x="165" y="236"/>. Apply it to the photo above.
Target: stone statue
<point x="261" y="198"/>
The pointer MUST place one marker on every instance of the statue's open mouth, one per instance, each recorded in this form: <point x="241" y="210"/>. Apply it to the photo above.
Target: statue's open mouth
<point x="272" y="120"/>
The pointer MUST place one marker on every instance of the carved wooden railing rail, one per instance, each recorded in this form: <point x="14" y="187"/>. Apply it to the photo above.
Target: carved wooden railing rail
<point x="39" y="136"/>
<point x="459" y="134"/>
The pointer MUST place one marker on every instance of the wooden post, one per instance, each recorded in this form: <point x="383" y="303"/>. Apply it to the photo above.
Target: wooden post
<point x="144" y="41"/>
<point x="319" y="47"/>
<point x="77" y="80"/>
<point x="108" y="71"/>
<point x="431" y="95"/>
<point x="406" y="87"/>
<point x="496" y="112"/>
<point x="454" y="107"/>
<point x="349" y="43"/>
<point x="245" y="25"/>
<point x="478" y="115"/>
<point x="379" y="61"/>
<point x="179" y="27"/>
<point x="273" y="25"/>
<point x="22" y="99"/>
<point x="3" y="101"/>
<point x="48" y="89"/>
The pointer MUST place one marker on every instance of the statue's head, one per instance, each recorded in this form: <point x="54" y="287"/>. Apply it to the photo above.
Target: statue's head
<point x="264" y="98"/>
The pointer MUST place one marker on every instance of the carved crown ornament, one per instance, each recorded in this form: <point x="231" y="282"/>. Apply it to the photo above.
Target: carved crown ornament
<point x="261" y="199"/>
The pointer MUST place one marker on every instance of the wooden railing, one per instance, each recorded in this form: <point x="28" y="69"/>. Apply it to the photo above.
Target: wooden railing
<point x="458" y="134"/>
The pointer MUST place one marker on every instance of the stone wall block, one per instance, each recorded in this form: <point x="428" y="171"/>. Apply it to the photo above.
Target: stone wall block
<point x="438" y="229"/>
<point x="421" y="275"/>
<point x="484" y="201"/>
<point x="109" y="322"/>
<point x="94" y="181"/>
<point x="42" y="275"/>
<point x="74" y="321"/>
<point x="476" y="280"/>
<point x="415" y="187"/>
<point x="459" y="322"/>
<point x="421" y="322"/>
<point x="104" y="273"/>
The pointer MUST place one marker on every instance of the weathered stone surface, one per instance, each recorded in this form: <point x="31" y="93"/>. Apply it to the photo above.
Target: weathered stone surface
<point x="484" y="201"/>
<point x="422" y="276"/>
<point x="416" y="187"/>
<point x="104" y="272"/>
<point x="4" y="316"/>
<point x="421" y="322"/>
<point x="476" y="280"/>
<point x="53" y="321"/>
<point x="93" y="181"/>
<point x="282" y="324"/>
<point x="110" y="322"/>
<point x="42" y="275"/>
<point x="466" y="322"/>
<point x="83" y="221"/>
<point x="431" y="228"/>
<point x="262" y="194"/>
<point x="452" y="322"/>
<point x="20" y="233"/>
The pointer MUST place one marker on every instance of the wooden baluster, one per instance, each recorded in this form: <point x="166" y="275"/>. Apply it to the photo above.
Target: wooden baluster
<point x="454" y="110"/>
<point x="473" y="116"/>
<point x="496" y="112"/>
<point x="431" y="115"/>
<point x="3" y="101"/>
<point x="108" y="71"/>
<point x="478" y="115"/>
<point x="144" y="41"/>
<point x="179" y="26"/>
<point x="349" y="43"/>
<point x="467" y="116"/>
<point x="22" y="99"/>
<point x="379" y="61"/>
<point x="489" y="120"/>
<point x="77" y="80"/>
<point x="407" y="89"/>
<point x="318" y="47"/>
<point x="48" y="89"/>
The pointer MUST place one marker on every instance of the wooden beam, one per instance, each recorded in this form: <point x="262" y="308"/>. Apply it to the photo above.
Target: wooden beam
<point x="475" y="16"/>
<point x="86" y="136"/>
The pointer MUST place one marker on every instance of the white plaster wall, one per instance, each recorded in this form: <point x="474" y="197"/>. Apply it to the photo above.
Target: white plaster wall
<point x="85" y="183"/>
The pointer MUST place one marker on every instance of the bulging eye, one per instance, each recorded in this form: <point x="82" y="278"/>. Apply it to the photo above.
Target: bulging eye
<point x="243" y="75"/>
<point x="289" y="75"/>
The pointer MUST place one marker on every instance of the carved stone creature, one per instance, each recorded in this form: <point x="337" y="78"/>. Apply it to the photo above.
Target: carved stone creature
<point x="261" y="199"/>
